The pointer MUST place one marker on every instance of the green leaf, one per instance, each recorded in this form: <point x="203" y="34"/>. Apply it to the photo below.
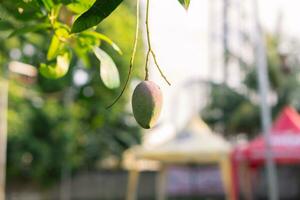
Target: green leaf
<point x="65" y="2"/>
<point x="104" y="38"/>
<point x="56" y="44"/>
<point x="80" y="6"/>
<point x="108" y="71"/>
<point x="53" y="48"/>
<point x="185" y="3"/>
<point x="27" y="29"/>
<point x="98" y="12"/>
<point x="58" y="69"/>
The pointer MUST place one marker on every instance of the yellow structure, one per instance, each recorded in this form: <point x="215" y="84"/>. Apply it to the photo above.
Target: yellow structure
<point x="196" y="144"/>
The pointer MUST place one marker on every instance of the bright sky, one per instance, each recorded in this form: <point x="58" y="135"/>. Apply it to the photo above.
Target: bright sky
<point x="180" y="40"/>
<point x="289" y="9"/>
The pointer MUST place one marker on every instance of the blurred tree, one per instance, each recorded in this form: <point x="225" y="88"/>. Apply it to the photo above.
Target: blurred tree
<point x="234" y="111"/>
<point x="63" y="122"/>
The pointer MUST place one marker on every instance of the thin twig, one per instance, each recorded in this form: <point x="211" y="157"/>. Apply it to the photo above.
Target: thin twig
<point x="158" y="67"/>
<point x="146" y="66"/>
<point x="132" y="56"/>
<point x="150" y="50"/>
<point x="147" y="25"/>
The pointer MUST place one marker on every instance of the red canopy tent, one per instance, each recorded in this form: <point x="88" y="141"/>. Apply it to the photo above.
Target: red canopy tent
<point x="285" y="145"/>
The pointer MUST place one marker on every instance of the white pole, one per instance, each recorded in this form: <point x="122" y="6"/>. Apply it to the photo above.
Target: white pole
<point x="263" y="82"/>
<point x="3" y="134"/>
<point x="18" y="68"/>
<point x="226" y="4"/>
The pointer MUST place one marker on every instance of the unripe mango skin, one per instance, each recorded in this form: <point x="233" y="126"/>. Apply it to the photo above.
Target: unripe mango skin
<point x="147" y="103"/>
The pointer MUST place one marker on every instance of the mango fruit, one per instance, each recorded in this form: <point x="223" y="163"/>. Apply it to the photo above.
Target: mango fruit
<point x="147" y="103"/>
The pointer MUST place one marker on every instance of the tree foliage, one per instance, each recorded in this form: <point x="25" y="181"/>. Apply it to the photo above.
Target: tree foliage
<point x="72" y="26"/>
<point x="236" y="110"/>
<point x="56" y="123"/>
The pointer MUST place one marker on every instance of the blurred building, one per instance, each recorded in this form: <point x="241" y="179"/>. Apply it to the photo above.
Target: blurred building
<point x="194" y="45"/>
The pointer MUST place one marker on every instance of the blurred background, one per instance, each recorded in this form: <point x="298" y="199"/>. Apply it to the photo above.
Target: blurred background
<point x="62" y="143"/>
